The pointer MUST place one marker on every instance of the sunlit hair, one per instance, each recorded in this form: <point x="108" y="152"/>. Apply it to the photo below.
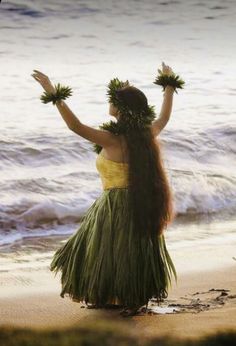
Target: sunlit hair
<point x="150" y="195"/>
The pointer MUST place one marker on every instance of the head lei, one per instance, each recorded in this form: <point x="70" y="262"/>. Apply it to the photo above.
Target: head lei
<point x="129" y="120"/>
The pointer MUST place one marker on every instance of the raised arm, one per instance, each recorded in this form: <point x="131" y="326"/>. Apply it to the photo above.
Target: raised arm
<point x="160" y="123"/>
<point x="100" y="137"/>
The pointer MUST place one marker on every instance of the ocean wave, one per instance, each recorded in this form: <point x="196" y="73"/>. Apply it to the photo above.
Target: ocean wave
<point x="28" y="215"/>
<point x="203" y="192"/>
<point x="195" y="193"/>
<point x="36" y="154"/>
<point x="23" y="10"/>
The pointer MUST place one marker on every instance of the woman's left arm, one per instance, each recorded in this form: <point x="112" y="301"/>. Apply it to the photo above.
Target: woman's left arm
<point x="164" y="116"/>
<point x="101" y="137"/>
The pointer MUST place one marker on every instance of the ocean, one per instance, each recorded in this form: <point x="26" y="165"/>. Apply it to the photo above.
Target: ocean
<point x="48" y="177"/>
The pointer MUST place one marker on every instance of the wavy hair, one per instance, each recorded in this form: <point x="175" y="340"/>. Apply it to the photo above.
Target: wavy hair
<point x="150" y="195"/>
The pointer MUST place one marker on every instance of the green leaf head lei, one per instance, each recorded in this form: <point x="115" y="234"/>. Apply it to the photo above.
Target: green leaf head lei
<point x="130" y="119"/>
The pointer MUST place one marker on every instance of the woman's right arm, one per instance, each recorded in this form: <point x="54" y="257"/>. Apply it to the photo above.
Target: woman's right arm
<point x="160" y="123"/>
<point x="103" y="138"/>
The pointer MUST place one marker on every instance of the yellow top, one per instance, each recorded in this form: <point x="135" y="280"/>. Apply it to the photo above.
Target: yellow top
<point x="112" y="173"/>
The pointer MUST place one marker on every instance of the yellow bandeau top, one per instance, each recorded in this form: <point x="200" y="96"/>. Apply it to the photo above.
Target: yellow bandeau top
<point x="112" y="173"/>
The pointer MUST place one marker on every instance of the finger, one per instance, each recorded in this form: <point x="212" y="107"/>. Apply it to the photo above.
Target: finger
<point x="39" y="72"/>
<point x="36" y="78"/>
<point x="40" y="78"/>
<point x="42" y="74"/>
<point x="34" y="75"/>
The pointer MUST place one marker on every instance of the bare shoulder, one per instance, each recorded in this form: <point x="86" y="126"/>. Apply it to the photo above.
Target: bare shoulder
<point x="118" y="151"/>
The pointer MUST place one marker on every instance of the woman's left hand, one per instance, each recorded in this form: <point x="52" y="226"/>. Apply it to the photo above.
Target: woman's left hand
<point x="166" y="69"/>
<point x="44" y="81"/>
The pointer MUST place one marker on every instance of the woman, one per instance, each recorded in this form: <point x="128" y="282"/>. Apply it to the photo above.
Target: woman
<point x="118" y="256"/>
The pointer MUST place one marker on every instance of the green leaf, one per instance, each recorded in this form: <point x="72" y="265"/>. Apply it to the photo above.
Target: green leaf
<point x="174" y="80"/>
<point x="61" y="94"/>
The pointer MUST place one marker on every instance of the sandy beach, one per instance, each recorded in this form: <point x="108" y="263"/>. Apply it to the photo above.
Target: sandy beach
<point x="202" y="302"/>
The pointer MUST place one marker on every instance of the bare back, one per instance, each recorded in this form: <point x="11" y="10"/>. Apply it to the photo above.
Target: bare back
<point x="119" y="152"/>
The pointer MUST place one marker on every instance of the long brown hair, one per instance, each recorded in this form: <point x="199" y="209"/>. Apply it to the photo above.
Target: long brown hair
<point x="150" y="195"/>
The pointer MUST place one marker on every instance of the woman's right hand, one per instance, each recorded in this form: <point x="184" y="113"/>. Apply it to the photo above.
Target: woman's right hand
<point x="44" y="81"/>
<point x="167" y="70"/>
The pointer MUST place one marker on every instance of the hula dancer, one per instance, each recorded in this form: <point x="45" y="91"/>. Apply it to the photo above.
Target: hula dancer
<point x="118" y="256"/>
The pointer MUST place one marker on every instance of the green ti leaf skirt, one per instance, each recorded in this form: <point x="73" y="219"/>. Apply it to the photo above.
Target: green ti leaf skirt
<point x="106" y="262"/>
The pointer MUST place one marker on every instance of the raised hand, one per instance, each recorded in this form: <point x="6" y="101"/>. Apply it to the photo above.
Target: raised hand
<point x="166" y="69"/>
<point x="44" y="81"/>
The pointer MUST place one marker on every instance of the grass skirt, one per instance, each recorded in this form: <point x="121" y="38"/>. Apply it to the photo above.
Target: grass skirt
<point x="106" y="262"/>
